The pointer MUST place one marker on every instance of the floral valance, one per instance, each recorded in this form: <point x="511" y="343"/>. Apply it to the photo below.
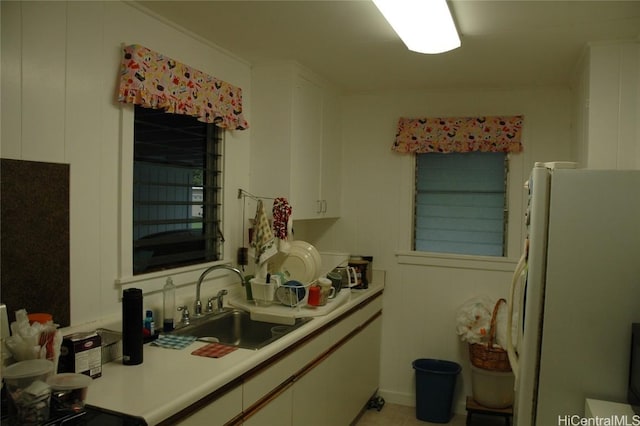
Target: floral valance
<point x="459" y="134"/>
<point x="152" y="80"/>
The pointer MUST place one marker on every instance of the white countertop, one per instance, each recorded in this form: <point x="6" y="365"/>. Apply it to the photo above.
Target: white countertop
<point x="170" y="380"/>
<point x="595" y="408"/>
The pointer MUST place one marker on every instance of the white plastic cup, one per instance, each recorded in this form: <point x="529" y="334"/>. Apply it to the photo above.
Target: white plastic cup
<point x="261" y="291"/>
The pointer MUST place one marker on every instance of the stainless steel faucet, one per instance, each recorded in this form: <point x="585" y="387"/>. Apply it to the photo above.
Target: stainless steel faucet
<point x="198" y="304"/>
<point x="219" y="298"/>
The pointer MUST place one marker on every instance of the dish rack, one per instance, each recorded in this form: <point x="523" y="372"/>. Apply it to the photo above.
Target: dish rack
<point x="287" y="296"/>
<point x="265" y="294"/>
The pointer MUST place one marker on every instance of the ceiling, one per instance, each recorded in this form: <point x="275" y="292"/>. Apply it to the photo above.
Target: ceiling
<point x="505" y="43"/>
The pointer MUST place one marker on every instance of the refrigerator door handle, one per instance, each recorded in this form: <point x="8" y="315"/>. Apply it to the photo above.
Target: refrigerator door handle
<point x="511" y="351"/>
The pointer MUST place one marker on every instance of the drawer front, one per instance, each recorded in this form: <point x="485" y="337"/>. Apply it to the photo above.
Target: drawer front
<point x="218" y="412"/>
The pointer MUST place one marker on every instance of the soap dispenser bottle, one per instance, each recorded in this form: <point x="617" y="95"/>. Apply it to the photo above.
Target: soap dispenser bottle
<point x="149" y="323"/>
<point x="168" y="304"/>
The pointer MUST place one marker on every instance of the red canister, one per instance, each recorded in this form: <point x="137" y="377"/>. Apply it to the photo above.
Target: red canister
<point x="314" y="295"/>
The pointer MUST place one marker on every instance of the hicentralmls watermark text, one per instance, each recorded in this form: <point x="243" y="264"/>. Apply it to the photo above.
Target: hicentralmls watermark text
<point x="614" y="420"/>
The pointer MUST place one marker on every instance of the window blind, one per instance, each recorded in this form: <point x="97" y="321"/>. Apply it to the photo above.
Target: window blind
<point x="176" y="191"/>
<point x="460" y="203"/>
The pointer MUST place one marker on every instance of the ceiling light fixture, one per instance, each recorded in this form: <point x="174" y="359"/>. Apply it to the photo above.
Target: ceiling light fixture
<point x="425" y="26"/>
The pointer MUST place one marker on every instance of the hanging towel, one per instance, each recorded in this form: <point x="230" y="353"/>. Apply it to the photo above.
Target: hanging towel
<point x="263" y="242"/>
<point x="281" y="213"/>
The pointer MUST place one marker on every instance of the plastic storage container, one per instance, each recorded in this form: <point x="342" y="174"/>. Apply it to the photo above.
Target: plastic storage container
<point x="435" y="386"/>
<point x="28" y="391"/>
<point x="492" y="389"/>
<point x="69" y="390"/>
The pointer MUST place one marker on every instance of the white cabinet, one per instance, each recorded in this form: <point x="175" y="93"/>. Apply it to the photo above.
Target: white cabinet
<point x="219" y="412"/>
<point x="306" y="149"/>
<point x="336" y="374"/>
<point x="335" y="391"/>
<point x="276" y="412"/>
<point x="331" y="171"/>
<point x="295" y="148"/>
<point x="326" y="379"/>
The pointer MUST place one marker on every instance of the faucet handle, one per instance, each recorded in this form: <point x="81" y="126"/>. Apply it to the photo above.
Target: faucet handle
<point x="186" y="319"/>
<point x="220" y="297"/>
<point x="210" y="304"/>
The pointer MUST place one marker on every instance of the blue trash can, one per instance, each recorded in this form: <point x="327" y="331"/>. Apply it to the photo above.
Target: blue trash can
<point x="435" y="385"/>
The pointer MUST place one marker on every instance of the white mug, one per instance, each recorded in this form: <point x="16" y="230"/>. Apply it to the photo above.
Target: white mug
<point x="327" y="290"/>
<point x="276" y="280"/>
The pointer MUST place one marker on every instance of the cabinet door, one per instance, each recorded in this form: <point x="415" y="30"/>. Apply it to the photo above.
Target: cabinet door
<point x="270" y="156"/>
<point x="306" y="149"/>
<point x="334" y="392"/>
<point x="330" y="184"/>
<point x="276" y="412"/>
<point x="219" y="412"/>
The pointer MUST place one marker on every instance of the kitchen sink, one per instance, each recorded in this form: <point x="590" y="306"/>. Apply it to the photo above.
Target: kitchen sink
<point x="235" y="327"/>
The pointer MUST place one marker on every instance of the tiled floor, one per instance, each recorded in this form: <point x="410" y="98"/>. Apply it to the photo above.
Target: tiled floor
<point x="400" y="415"/>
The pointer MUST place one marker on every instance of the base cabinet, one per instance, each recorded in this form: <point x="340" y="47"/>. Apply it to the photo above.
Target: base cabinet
<point x="336" y="383"/>
<point x="219" y="412"/>
<point x="276" y="412"/>
<point x="325" y="380"/>
<point x="334" y="391"/>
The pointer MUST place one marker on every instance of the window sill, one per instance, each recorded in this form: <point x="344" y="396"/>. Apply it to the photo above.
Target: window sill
<point x="457" y="261"/>
<point x="154" y="281"/>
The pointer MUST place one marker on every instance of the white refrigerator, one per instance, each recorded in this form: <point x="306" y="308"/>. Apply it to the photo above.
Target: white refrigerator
<point x="576" y="291"/>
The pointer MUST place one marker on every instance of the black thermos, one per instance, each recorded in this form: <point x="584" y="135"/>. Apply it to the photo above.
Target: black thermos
<point x="132" y="326"/>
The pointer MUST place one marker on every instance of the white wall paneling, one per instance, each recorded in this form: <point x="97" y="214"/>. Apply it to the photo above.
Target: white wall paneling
<point x="44" y="50"/>
<point x="82" y="125"/>
<point x="60" y="64"/>
<point x="11" y="68"/>
<point x="612" y="137"/>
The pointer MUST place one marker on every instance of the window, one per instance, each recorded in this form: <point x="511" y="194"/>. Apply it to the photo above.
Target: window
<point x="460" y="203"/>
<point x="177" y="192"/>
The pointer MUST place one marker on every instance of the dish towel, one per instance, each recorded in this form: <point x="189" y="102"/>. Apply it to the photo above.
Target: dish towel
<point x="173" y="342"/>
<point x="214" y="350"/>
<point x="263" y="242"/>
<point x="281" y="213"/>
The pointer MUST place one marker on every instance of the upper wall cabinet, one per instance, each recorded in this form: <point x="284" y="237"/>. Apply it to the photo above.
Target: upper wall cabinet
<point x="295" y="148"/>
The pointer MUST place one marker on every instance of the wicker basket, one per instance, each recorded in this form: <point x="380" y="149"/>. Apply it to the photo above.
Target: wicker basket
<point x="487" y="356"/>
